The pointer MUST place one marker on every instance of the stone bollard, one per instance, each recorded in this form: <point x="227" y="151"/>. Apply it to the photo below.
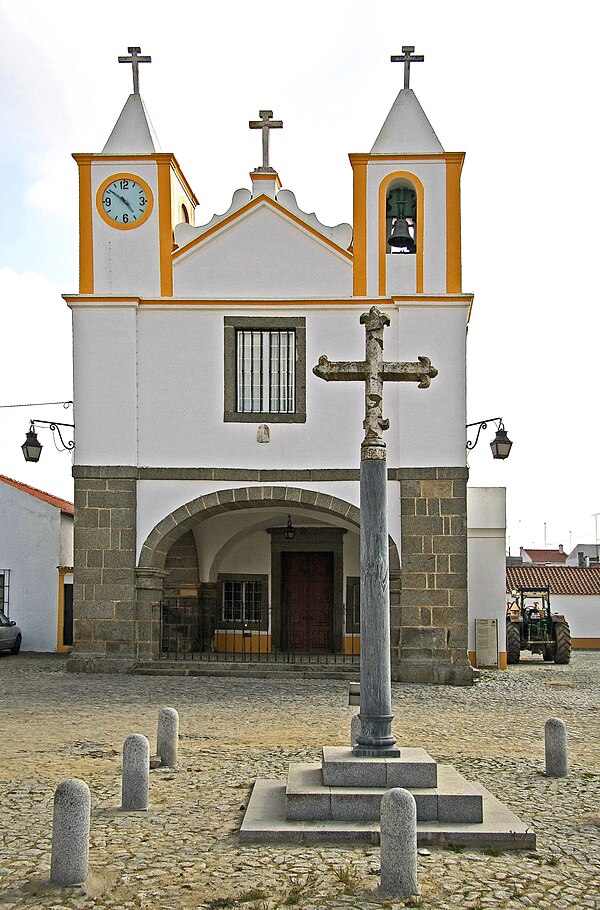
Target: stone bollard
<point x="70" y="833"/>
<point x="398" y="844"/>
<point x="136" y="772"/>
<point x="555" y="735"/>
<point x="355" y="728"/>
<point x="167" y="736"/>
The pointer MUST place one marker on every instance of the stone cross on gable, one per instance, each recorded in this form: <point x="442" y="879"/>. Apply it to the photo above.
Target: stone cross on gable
<point x="374" y="371"/>
<point x="265" y="124"/>
<point x="134" y="58"/>
<point x="407" y="58"/>
<point x="376" y="737"/>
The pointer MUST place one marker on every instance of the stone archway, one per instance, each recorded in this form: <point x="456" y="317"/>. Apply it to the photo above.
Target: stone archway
<point x="151" y="565"/>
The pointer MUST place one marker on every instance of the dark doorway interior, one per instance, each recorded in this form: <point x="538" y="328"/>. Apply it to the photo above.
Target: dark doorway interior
<point x="68" y="615"/>
<point x="307" y="600"/>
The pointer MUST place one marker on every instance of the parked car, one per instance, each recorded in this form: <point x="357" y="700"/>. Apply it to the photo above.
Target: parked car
<point x="10" y="635"/>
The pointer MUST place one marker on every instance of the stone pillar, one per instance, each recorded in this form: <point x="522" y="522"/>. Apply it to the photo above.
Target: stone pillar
<point x="149" y="584"/>
<point x="555" y="747"/>
<point x="70" y="833"/>
<point x="167" y="737"/>
<point x="104" y="601"/>
<point x="136" y="773"/>
<point x="398" y="844"/>
<point x="430" y="643"/>
<point x="376" y="717"/>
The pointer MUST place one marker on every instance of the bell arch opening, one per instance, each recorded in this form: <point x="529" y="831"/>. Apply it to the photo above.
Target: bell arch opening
<point x="401" y="217"/>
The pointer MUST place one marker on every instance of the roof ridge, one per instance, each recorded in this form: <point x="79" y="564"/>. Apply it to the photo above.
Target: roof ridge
<point x="57" y="501"/>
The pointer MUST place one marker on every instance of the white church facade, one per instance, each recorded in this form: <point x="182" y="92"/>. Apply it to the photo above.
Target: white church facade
<point x="216" y="477"/>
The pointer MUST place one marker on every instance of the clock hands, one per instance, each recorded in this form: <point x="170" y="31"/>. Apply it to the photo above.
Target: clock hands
<point x="122" y="198"/>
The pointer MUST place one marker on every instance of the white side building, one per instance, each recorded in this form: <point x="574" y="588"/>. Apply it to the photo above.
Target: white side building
<point x="36" y="565"/>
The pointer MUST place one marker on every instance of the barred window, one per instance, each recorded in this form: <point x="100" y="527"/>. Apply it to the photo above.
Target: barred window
<point x="353" y="605"/>
<point x="266" y="368"/>
<point x="5" y="590"/>
<point x="242" y="601"/>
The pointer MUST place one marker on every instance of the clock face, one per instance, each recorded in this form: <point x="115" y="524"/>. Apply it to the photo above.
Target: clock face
<point x="124" y="201"/>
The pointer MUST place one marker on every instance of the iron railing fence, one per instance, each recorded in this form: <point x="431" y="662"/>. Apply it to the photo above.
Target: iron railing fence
<point x="190" y="630"/>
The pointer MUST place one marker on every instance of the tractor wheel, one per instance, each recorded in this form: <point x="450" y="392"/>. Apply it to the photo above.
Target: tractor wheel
<point x="548" y="652"/>
<point x="513" y="643"/>
<point x="562" y="633"/>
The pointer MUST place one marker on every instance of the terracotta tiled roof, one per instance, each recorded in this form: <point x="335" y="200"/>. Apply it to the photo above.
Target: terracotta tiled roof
<point x="62" y="504"/>
<point x="545" y="556"/>
<point x="561" y="579"/>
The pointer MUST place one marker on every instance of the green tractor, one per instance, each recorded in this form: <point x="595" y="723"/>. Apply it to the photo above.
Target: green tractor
<point x="531" y="626"/>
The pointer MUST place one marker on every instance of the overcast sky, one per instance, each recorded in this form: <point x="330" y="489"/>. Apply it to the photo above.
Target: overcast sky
<point x="514" y="85"/>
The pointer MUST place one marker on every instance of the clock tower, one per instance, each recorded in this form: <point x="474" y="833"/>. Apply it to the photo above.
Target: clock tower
<point x="131" y="196"/>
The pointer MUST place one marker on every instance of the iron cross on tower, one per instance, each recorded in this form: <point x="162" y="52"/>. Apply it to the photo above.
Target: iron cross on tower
<point x="376" y="738"/>
<point x="265" y="124"/>
<point x="134" y="58"/>
<point x="407" y="58"/>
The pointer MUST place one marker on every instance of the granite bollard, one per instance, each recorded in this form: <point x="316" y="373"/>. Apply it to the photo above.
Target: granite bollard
<point x="167" y="737"/>
<point x="555" y="740"/>
<point x="136" y="773"/>
<point x="70" y="833"/>
<point x="398" y="844"/>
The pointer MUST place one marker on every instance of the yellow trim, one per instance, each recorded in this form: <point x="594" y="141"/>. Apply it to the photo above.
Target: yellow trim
<point x="246" y="208"/>
<point x="116" y="224"/>
<point x="453" y="251"/>
<point x="359" y="247"/>
<point x="158" y="157"/>
<point x="503" y="660"/>
<point x="351" y="645"/>
<point x="233" y="642"/>
<point x="591" y="644"/>
<point x="86" y="242"/>
<point x="60" y="646"/>
<point x="250" y="302"/>
<point x="382" y="240"/>
<point x="165" y="228"/>
<point x="365" y="158"/>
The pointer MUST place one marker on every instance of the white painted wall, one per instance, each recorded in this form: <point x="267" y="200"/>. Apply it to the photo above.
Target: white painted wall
<point x="149" y="389"/>
<point x="581" y="611"/>
<point x="125" y="262"/>
<point x="30" y="546"/>
<point x="263" y="253"/>
<point x="486" y="559"/>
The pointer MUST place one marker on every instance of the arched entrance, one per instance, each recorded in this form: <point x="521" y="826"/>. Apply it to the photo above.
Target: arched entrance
<point x="261" y="593"/>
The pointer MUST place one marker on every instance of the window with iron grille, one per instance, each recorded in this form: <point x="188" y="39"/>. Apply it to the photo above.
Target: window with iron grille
<point x="353" y="605"/>
<point x="5" y="591"/>
<point x="266" y="371"/>
<point x="242" y="601"/>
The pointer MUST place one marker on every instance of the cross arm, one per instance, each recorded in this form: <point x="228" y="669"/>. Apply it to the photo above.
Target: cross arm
<point x="343" y="370"/>
<point x="420" y="371"/>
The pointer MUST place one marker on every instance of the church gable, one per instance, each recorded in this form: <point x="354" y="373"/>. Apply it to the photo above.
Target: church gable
<point x="262" y="251"/>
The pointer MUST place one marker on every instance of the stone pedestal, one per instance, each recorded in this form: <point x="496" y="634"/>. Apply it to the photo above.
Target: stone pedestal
<point x="339" y="800"/>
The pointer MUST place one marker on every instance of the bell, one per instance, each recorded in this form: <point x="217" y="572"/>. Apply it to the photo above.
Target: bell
<point x="400" y="237"/>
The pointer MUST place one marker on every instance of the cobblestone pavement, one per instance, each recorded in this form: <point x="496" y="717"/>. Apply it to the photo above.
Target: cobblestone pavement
<point x="184" y="852"/>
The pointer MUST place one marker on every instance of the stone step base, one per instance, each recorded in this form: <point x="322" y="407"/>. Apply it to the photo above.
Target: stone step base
<point x="414" y="768"/>
<point x="265" y="822"/>
<point x="308" y="798"/>
<point x="250" y="669"/>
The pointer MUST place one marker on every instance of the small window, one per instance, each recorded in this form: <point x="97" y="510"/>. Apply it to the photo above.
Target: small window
<point x="353" y="605"/>
<point x="265" y="370"/>
<point x="5" y="590"/>
<point x="266" y="367"/>
<point x="242" y="601"/>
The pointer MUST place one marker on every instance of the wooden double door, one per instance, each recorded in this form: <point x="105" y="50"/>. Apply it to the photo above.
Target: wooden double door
<point x="307" y="601"/>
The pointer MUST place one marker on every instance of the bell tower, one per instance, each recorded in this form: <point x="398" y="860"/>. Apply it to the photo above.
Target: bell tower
<point x="131" y="196"/>
<point x="407" y="205"/>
